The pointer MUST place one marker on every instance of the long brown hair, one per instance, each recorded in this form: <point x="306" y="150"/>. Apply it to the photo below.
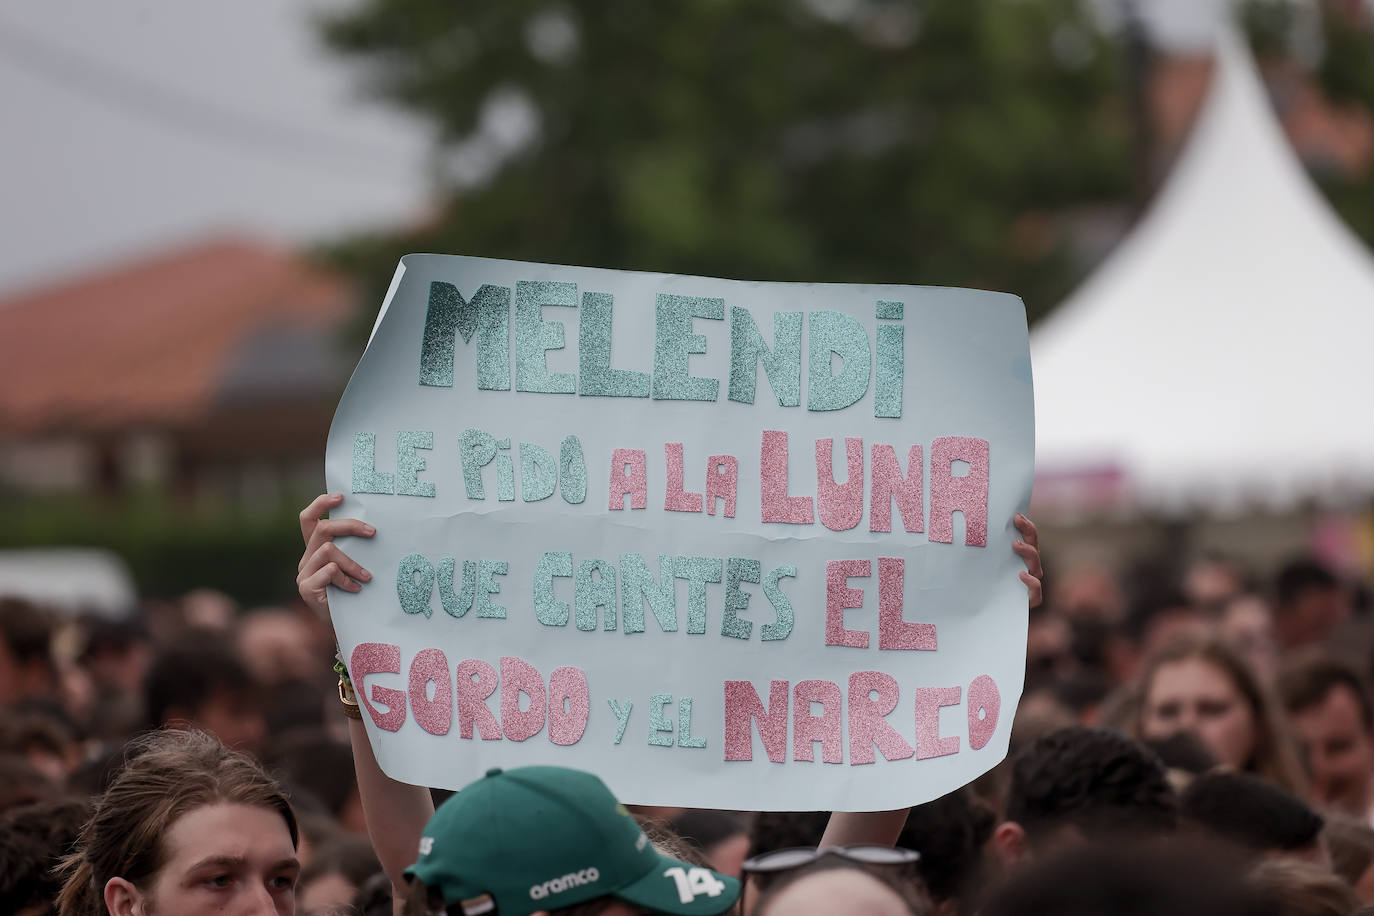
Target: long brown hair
<point x="167" y="774"/>
<point x="1273" y="757"/>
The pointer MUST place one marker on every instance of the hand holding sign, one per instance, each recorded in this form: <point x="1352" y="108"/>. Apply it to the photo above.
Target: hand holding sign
<point x="693" y="636"/>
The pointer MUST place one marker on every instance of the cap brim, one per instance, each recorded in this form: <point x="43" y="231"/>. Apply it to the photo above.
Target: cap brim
<point x="661" y="890"/>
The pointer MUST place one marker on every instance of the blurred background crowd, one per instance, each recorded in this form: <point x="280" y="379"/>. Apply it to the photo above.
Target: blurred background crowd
<point x="181" y="300"/>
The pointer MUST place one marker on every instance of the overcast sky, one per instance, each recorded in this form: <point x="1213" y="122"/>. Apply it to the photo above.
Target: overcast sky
<point x="136" y="124"/>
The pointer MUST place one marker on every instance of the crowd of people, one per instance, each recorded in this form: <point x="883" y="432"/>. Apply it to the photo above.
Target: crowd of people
<point x="1185" y="744"/>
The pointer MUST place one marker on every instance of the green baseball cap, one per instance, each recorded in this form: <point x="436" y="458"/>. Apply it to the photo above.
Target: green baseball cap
<point x="542" y="838"/>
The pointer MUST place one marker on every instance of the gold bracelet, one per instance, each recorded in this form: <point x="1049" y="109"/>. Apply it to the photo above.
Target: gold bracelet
<point x="348" y="699"/>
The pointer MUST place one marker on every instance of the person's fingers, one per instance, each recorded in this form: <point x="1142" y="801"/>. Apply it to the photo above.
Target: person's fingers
<point x="1034" y="589"/>
<point x="312" y="513"/>
<point x="328" y="529"/>
<point x="313" y="587"/>
<point x="1027" y="529"/>
<point x="329" y="552"/>
<point x="1030" y="556"/>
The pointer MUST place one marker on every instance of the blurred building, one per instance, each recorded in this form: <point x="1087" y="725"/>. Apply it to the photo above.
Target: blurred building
<point x="212" y="368"/>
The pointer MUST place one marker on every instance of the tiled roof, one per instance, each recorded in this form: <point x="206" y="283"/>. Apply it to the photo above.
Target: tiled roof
<point x="152" y="343"/>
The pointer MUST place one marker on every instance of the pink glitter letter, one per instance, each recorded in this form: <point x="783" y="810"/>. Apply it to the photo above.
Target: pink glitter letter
<point x="839" y="596"/>
<point x="928" y="702"/>
<point x="379" y="658"/>
<point x="519" y="676"/>
<point x="436" y="715"/>
<point x="569" y="705"/>
<point x="825" y="728"/>
<point x="722" y="481"/>
<point x="967" y="494"/>
<point x="476" y="682"/>
<point x="984" y="703"/>
<point x="867" y="723"/>
<point x="635" y="482"/>
<point x="888" y="482"/>
<point x="893" y="631"/>
<point x="675" y="499"/>
<point x="777" y="505"/>
<point x="841" y="504"/>
<point x="743" y="706"/>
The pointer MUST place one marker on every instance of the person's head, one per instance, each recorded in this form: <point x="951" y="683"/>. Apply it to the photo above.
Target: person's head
<point x="1253" y="814"/>
<point x="1329" y="709"/>
<point x="278" y="645"/>
<point x="1303" y="889"/>
<point x="831" y="884"/>
<point x="313" y="757"/>
<point x="1247" y="626"/>
<point x="117" y="653"/>
<point x="1350" y="843"/>
<point x="32" y="838"/>
<point x="201" y="683"/>
<point x="336" y="873"/>
<point x="1128" y="880"/>
<point x="786" y="829"/>
<point x="949" y="833"/>
<point x="722" y="837"/>
<point x="1161" y="617"/>
<point x="22" y="783"/>
<point x="1204" y="687"/>
<point x="188" y="827"/>
<point x="46" y="741"/>
<point x="545" y="839"/>
<point x="1213" y="580"/>
<point x="1083" y="783"/>
<point x="1309" y="603"/>
<point x="26" y="665"/>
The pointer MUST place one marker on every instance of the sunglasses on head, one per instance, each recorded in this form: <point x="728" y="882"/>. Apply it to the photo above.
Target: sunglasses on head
<point x="784" y="860"/>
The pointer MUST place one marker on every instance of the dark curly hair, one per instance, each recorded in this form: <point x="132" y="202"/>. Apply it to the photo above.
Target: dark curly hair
<point x="1093" y="779"/>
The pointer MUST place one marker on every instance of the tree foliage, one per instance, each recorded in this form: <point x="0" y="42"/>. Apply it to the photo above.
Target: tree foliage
<point x="908" y="141"/>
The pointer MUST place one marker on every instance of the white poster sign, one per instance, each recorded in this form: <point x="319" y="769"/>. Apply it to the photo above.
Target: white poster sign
<point x="725" y="544"/>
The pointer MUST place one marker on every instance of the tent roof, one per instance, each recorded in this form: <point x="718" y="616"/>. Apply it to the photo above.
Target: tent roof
<point x="1223" y="351"/>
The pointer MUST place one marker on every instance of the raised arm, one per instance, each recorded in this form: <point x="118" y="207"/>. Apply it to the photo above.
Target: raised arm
<point x="396" y="813"/>
<point x="881" y="828"/>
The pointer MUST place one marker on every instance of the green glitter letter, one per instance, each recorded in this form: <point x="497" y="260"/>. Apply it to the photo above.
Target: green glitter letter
<point x="684" y="725"/>
<point x="488" y="314"/>
<point x="487" y="586"/>
<point x="596" y="377"/>
<point x="674" y="342"/>
<point x="637" y="585"/>
<point x="834" y="332"/>
<point x="622" y="717"/>
<point x="660" y="729"/>
<point x="409" y="465"/>
<point x="590" y="594"/>
<point x="366" y="477"/>
<point x="459" y="603"/>
<point x="782" y="607"/>
<point x="887" y="385"/>
<point x="538" y="473"/>
<point x="548" y="610"/>
<point x="697" y="571"/>
<point x="534" y="336"/>
<point x="783" y="364"/>
<point x="572" y="471"/>
<point x="414" y="593"/>
<point x="738" y="570"/>
<point x="476" y="448"/>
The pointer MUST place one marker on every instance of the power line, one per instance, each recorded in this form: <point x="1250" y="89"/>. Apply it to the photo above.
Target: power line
<point x="204" y="118"/>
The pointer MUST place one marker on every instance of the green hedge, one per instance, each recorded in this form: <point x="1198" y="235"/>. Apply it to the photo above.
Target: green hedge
<point x="171" y="549"/>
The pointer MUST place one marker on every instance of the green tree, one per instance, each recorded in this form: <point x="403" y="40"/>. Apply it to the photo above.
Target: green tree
<point x="1343" y="70"/>
<point x="910" y="141"/>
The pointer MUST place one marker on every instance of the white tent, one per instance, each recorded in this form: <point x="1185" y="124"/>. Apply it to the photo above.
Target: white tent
<point x="1223" y="352"/>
